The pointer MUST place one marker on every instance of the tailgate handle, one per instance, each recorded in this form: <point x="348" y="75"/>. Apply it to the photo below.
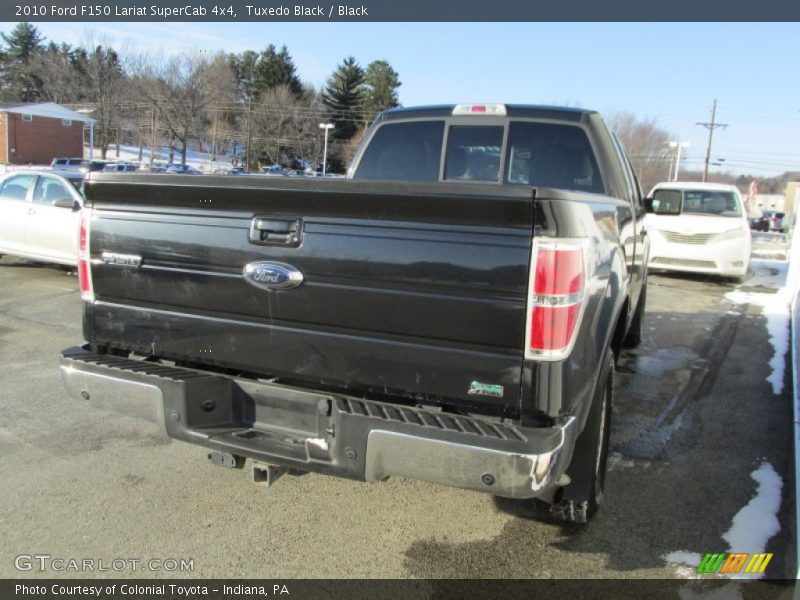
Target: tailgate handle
<point x="267" y="231"/>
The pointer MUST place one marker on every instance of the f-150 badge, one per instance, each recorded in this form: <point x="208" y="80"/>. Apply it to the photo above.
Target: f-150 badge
<point x="477" y="388"/>
<point x="272" y="275"/>
<point x="124" y="260"/>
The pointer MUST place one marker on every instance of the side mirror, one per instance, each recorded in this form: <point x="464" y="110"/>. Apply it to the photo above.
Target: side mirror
<point x="648" y="205"/>
<point x="67" y="202"/>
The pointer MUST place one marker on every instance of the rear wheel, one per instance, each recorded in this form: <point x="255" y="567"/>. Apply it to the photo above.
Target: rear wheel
<point x="580" y="499"/>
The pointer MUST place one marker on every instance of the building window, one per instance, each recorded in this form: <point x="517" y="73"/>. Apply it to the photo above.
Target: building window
<point x="27" y="118"/>
<point x="66" y="122"/>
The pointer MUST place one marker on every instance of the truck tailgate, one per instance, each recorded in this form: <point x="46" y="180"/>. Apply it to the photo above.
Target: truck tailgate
<point x="410" y="291"/>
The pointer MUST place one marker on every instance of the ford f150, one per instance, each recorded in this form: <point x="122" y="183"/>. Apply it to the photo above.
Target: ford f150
<point x="450" y="312"/>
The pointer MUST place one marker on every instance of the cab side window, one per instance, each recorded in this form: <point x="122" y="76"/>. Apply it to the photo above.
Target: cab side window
<point x="48" y="190"/>
<point x="16" y="188"/>
<point x="633" y="193"/>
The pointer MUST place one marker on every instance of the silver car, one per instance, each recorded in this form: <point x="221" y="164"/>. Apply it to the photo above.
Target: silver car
<point x="41" y="215"/>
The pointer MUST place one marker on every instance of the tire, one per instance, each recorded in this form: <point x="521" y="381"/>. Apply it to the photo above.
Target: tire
<point x="580" y="499"/>
<point x="636" y="331"/>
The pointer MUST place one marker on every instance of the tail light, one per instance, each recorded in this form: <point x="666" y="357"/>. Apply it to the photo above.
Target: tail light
<point x="84" y="262"/>
<point x="555" y="298"/>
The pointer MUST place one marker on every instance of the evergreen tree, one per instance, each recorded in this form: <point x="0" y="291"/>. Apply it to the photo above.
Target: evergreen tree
<point x="275" y="69"/>
<point x="381" y="82"/>
<point x="259" y="72"/>
<point x="23" y="41"/>
<point x="344" y="96"/>
<point x="19" y="81"/>
<point x="243" y="66"/>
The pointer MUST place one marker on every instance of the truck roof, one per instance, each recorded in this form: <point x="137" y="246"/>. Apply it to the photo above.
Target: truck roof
<point x="562" y="113"/>
<point x="695" y="185"/>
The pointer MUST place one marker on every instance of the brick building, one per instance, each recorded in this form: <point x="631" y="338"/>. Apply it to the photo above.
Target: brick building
<point x="37" y="133"/>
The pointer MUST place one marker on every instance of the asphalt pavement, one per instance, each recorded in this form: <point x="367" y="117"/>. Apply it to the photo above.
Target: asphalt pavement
<point x="701" y="452"/>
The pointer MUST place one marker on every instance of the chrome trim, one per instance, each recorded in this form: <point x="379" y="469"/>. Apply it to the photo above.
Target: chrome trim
<point x="131" y="398"/>
<point x="125" y="260"/>
<point x="499" y="459"/>
<point x="511" y="474"/>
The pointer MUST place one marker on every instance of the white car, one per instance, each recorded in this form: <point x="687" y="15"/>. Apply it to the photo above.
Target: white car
<point x="698" y="228"/>
<point x="41" y="214"/>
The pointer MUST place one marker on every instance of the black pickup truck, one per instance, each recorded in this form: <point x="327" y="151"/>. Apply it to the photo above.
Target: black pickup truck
<point x="450" y="312"/>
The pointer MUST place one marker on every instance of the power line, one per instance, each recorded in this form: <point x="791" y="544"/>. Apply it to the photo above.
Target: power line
<point x="711" y="127"/>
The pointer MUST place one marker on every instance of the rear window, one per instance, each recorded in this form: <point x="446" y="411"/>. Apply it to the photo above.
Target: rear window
<point x="404" y="152"/>
<point x="551" y="155"/>
<point x="539" y="154"/>
<point x="473" y="153"/>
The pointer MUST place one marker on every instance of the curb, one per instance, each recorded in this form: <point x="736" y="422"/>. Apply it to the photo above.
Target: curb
<point x="792" y="276"/>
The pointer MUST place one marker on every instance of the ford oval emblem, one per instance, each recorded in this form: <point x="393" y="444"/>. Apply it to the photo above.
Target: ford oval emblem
<point x="272" y="275"/>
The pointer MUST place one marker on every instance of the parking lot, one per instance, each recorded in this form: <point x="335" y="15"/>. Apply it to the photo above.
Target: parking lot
<point x="702" y="426"/>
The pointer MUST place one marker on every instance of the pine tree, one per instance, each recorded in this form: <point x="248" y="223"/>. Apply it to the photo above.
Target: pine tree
<point x="275" y="69"/>
<point x="22" y="42"/>
<point x="259" y="72"/>
<point x="243" y="66"/>
<point x="381" y="82"/>
<point x="20" y="82"/>
<point x="344" y="97"/>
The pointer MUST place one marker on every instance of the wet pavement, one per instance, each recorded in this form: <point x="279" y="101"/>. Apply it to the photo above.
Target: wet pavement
<point x="696" y="422"/>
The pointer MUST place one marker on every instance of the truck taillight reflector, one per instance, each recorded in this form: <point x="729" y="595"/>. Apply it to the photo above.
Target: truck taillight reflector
<point x="552" y="326"/>
<point x="556" y="298"/>
<point x="83" y="238"/>
<point x="84" y="266"/>
<point x="83" y="276"/>
<point x="558" y="272"/>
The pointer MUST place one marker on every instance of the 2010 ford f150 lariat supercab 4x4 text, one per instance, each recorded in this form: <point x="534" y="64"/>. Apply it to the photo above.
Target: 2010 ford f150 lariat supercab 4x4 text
<point x="450" y="312"/>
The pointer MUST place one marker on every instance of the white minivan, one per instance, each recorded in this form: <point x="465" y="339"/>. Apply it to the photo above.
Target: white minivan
<point x="698" y="228"/>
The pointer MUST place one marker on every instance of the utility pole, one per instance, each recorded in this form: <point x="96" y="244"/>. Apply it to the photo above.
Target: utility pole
<point x="678" y="146"/>
<point x="327" y="127"/>
<point x="153" y="130"/>
<point x="711" y="127"/>
<point x="249" y="132"/>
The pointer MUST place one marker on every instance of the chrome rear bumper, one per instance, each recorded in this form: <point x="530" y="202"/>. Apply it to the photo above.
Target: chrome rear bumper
<point x="325" y="433"/>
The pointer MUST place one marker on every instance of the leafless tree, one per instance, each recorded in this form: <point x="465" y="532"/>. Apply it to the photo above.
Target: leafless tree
<point x="647" y="146"/>
<point x="55" y="67"/>
<point x="105" y="83"/>
<point x="179" y="91"/>
<point x="284" y="127"/>
<point x="222" y="109"/>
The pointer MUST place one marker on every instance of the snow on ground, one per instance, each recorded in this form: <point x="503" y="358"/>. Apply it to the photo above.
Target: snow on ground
<point x="775" y="307"/>
<point x="757" y="522"/>
<point x="751" y="528"/>
<point x="198" y="160"/>
<point x="768" y="272"/>
<point x="686" y="563"/>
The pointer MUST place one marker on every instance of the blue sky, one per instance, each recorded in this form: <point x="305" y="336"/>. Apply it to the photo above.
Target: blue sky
<point x="667" y="71"/>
